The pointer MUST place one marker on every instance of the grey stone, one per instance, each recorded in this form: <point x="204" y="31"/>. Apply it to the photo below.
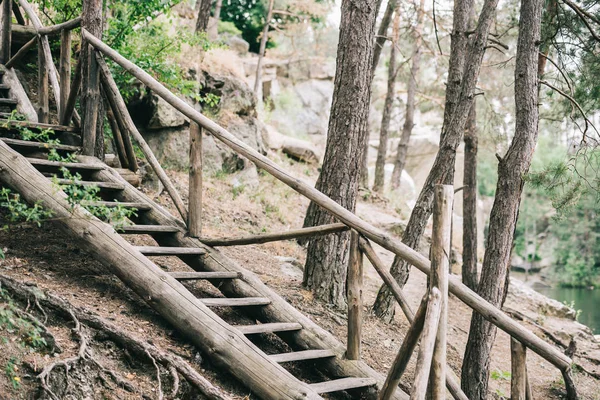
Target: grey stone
<point x="163" y="115"/>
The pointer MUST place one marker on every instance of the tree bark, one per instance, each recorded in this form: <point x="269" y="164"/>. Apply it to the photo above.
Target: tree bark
<point x="203" y="15"/>
<point x="469" y="267"/>
<point x="462" y="78"/>
<point x="400" y="161"/>
<point x="327" y="257"/>
<point x="511" y="171"/>
<point x="91" y="100"/>
<point x="379" y="184"/>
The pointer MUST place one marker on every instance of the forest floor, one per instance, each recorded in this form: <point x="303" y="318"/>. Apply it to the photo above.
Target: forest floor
<point x="46" y="258"/>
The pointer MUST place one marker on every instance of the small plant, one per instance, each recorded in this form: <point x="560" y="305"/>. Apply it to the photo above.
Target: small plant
<point x="54" y="155"/>
<point x="11" y="370"/>
<point x="20" y="211"/>
<point x="237" y="190"/>
<point x="498" y="375"/>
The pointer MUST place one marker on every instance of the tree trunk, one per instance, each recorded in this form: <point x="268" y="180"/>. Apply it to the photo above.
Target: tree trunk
<point x="459" y="99"/>
<point x="327" y="257"/>
<point x="380" y="39"/>
<point x="203" y="15"/>
<point x="261" y="51"/>
<point x="387" y="108"/>
<point x="503" y="220"/>
<point x="400" y="161"/>
<point x="91" y="99"/>
<point x="469" y="267"/>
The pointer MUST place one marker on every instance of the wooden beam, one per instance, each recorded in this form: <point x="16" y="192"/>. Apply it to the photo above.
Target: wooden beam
<point x="59" y="28"/>
<point x="189" y="276"/>
<point x="116" y="133"/>
<point x="73" y="92"/>
<point x="228" y="347"/>
<point x="195" y="181"/>
<point x="430" y="329"/>
<point x="90" y="94"/>
<point x="355" y="299"/>
<point x="6" y="31"/>
<point x="22" y="52"/>
<point x="404" y="353"/>
<point x="470" y="298"/>
<point x="128" y="127"/>
<point x="518" y="376"/>
<point x="276" y="237"/>
<point x="269" y="328"/>
<point x="440" y="270"/>
<point x="65" y="71"/>
<point x="43" y="110"/>
<point x="18" y="14"/>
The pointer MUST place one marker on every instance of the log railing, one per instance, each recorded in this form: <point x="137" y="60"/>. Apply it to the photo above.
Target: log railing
<point x="428" y="323"/>
<point x="436" y="269"/>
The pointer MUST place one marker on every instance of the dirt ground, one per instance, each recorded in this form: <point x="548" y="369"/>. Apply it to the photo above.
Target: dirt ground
<point x="45" y="257"/>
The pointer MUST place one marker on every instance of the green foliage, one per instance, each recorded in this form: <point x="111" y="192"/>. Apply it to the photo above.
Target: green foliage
<point x="10" y="370"/>
<point x="228" y="27"/>
<point x="498" y="375"/>
<point x="85" y="195"/>
<point x="20" y="211"/>
<point x="16" y="323"/>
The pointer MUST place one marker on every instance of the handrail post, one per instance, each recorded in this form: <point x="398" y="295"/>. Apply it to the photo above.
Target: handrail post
<point x="43" y="89"/>
<point x="65" y="71"/>
<point x="354" y="295"/>
<point x="440" y="269"/>
<point x="195" y="184"/>
<point x="6" y="31"/>
<point x="91" y="99"/>
<point x="518" y="361"/>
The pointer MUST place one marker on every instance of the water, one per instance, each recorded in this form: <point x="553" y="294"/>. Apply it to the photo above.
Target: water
<point x="586" y="300"/>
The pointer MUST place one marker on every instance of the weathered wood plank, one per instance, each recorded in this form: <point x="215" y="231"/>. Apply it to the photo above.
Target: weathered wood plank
<point x="275" y="237"/>
<point x="236" y="302"/>
<point x="338" y="385"/>
<point x="272" y="327"/>
<point x="38" y="162"/>
<point x="302" y="355"/>
<point x="38" y="125"/>
<point x="148" y="229"/>
<point x="192" y="276"/>
<point x="195" y="181"/>
<point x="39" y="145"/>
<point x="112" y="204"/>
<point x="169" y="251"/>
<point x="101" y="185"/>
<point x="380" y="237"/>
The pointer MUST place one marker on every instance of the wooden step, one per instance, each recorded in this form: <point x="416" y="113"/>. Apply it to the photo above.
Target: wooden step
<point x="113" y="204"/>
<point x="35" y="125"/>
<point x="101" y="185"/>
<point x="236" y="302"/>
<point x="170" y="251"/>
<point x="272" y="327"/>
<point x="338" y="385"/>
<point x="190" y="276"/>
<point x="148" y="229"/>
<point x="40" y="163"/>
<point x="8" y="102"/>
<point x="302" y="355"/>
<point x="39" y="145"/>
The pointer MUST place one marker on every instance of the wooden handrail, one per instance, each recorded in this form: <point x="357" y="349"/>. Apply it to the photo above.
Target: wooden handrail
<point x="22" y="51"/>
<point x="279" y="236"/>
<point x="470" y="298"/>
<point x="54" y="29"/>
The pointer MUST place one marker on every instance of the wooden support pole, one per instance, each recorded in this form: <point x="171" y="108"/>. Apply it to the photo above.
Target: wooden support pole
<point x="387" y="277"/>
<point x="440" y="270"/>
<point x="22" y="51"/>
<point x="18" y="14"/>
<point x="72" y="99"/>
<point x="114" y="127"/>
<point x="6" y="31"/>
<point x="313" y="231"/>
<point x="470" y="298"/>
<point x="355" y="298"/>
<point x="428" y="336"/>
<point x="195" y="181"/>
<point x="518" y="360"/>
<point x="406" y="349"/>
<point x="43" y="110"/>
<point x="128" y="127"/>
<point x="262" y="49"/>
<point x="65" y="71"/>
<point x="45" y="47"/>
<point x="90" y="95"/>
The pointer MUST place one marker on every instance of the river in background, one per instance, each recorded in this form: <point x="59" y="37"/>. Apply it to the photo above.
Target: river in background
<point x="586" y="300"/>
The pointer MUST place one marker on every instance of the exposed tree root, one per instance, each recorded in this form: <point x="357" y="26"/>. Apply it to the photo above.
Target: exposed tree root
<point x="175" y="365"/>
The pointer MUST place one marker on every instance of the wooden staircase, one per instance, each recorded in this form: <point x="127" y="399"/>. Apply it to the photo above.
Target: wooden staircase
<point x="239" y="288"/>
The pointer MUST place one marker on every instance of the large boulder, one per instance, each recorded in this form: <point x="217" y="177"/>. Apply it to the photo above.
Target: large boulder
<point x="163" y="115"/>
